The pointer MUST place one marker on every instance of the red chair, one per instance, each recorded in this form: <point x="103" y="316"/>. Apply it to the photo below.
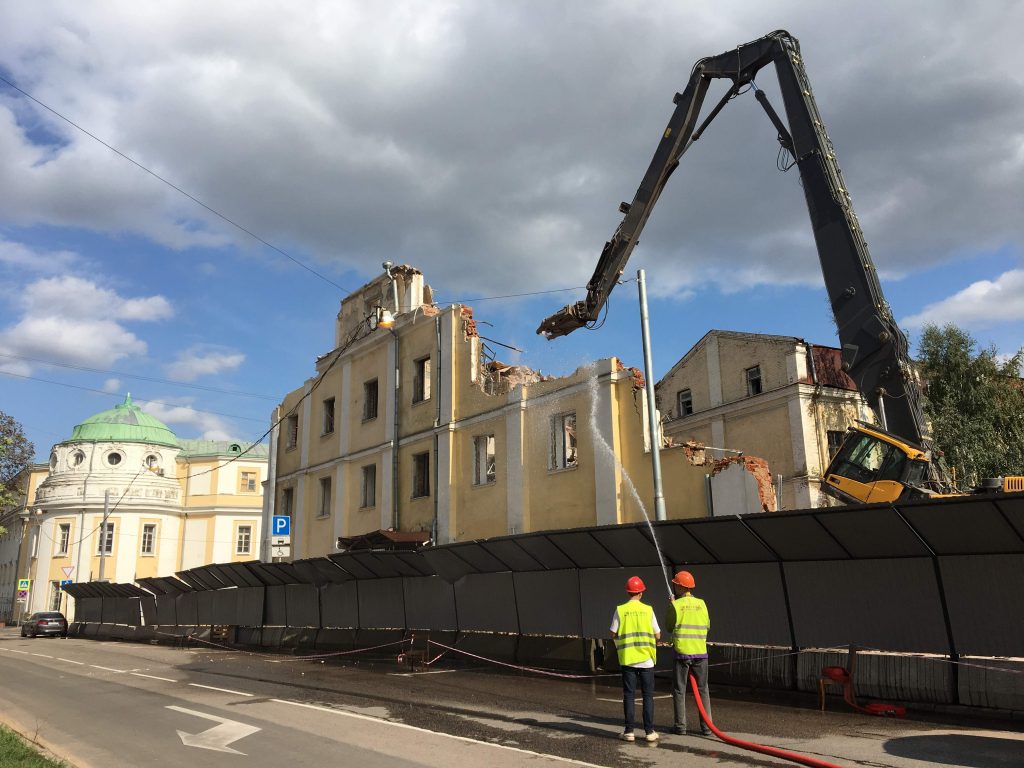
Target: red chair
<point x="841" y="676"/>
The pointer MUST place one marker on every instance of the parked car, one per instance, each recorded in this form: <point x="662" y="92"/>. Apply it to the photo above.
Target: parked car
<point x="45" y="623"/>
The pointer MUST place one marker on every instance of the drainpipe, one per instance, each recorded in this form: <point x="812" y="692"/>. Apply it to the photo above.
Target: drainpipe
<point x="395" y="401"/>
<point x="184" y="512"/>
<point x="652" y="415"/>
<point x="437" y="425"/>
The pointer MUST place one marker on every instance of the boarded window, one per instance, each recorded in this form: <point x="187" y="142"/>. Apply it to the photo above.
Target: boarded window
<point x="420" y="475"/>
<point x="421" y="380"/>
<point x="370" y="400"/>
<point x="483" y="460"/>
<point x="292" y="431"/>
<point x="754" y="385"/>
<point x="563" y="441"/>
<point x="368" y="497"/>
<point x="684" y="401"/>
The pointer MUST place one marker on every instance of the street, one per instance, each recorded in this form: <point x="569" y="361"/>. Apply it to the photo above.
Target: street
<point x="121" y="704"/>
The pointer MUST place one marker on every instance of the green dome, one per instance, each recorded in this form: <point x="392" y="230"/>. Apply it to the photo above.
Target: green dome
<point x="124" y="423"/>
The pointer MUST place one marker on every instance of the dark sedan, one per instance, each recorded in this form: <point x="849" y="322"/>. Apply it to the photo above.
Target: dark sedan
<point x="45" y="623"/>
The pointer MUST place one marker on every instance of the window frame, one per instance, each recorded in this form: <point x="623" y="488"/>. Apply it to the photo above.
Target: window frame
<point x="152" y="542"/>
<point x="105" y="543"/>
<point x="287" y="508"/>
<point x="324" y="508"/>
<point x="247" y="528"/>
<point x="755" y="380"/>
<point x="836" y="438"/>
<point x="484" y="460"/>
<point x="373" y="385"/>
<point x="421" y="379"/>
<point x="63" y="540"/>
<point x="421" y="475"/>
<point x="563" y="454"/>
<point x="327" y="412"/>
<point x="243" y="486"/>
<point x="684" y="402"/>
<point x="291" y="431"/>
<point x="368" y="487"/>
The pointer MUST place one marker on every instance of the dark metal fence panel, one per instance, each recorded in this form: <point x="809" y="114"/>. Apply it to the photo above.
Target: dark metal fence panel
<point x="983" y="594"/>
<point x="630" y="546"/>
<point x="166" y="610"/>
<point x="276" y="606"/>
<point x="602" y="589"/>
<point x="486" y="603"/>
<point x="730" y="541"/>
<point x="89" y="609"/>
<point x="108" y="610"/>
<point x="225" y="606"/>
<point x="188" y="609"/>
<point x="679" y="546"/>
<point x="548" y="603"/>
<point x="797" y="537"/>
<point x="303" y="605"/>
<point x="250" y="606"/>
<point x="129" y="611"/>
<point x="746" y="603"/>
<point x="892" y="605"/>
<point x="584" y="550"/>
<point x="205" y="606"/>
<point x="964" y="527"/>
<point x="148" y="610"/>
<point x="339" y="605"/>
<point x="381" y="604"/>
<point x="429" y="603"/>
<point x="873" y="533"/>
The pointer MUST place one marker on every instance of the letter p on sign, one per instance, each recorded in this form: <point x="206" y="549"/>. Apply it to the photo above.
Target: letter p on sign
<point x="281" y="525"/>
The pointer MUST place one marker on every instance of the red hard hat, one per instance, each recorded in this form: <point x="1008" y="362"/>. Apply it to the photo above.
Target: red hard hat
<point x="635" y="585"/>
<point x="684" y="579"/>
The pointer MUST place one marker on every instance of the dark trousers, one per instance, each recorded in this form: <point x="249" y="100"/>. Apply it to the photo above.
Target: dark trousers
<point x="629" y="678"/>
<point x="699" y="668"/>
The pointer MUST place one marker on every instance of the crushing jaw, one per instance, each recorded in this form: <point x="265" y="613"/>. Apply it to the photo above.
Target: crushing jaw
<point x="564" y="321"/>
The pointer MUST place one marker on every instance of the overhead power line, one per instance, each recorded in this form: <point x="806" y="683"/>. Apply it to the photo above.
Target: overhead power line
<point x="170" y="382"/>
<point x="174" y="186"/>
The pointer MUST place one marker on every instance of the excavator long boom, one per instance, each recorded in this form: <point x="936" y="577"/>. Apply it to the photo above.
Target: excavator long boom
<point x="875" y="352"/>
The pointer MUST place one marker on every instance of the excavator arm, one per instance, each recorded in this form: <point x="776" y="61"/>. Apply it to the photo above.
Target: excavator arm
<point x="875" y="352"/>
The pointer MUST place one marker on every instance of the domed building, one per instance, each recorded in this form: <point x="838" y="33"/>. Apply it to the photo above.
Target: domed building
<point x="125" y="498"/>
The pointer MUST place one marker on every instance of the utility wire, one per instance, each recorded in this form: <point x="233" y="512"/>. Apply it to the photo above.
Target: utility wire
<point x="173" y="186"/>
<point x="137" y="376"/>
<point x="102" y="392"/>
<point x="507" y="296"/>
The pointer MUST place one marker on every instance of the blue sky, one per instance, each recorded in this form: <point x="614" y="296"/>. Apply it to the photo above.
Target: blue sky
<point x="488" y="146"/>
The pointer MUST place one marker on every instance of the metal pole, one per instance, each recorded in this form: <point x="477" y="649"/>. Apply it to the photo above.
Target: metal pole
<point x="103" y="531"/>
<point x="652" y="411"/>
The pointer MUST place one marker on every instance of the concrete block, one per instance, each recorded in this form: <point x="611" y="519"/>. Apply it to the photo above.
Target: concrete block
<point x="884" y="676"/>
<point x="996" y="683"/>
<point x="335" y="640"/>
<point x="568" y="653"/>
<point x="754" y="667"/>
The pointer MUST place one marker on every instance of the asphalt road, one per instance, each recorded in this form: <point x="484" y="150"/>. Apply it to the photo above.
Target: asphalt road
<point x="121" y="704"/>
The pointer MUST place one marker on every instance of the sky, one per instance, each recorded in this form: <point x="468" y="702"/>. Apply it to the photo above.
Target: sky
<point x="488" y="144"/>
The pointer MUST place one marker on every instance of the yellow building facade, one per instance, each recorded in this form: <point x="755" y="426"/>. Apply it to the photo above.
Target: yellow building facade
<point x="411" y="426"/>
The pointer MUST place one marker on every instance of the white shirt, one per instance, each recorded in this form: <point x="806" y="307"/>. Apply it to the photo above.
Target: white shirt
<point x="657" y="629"/>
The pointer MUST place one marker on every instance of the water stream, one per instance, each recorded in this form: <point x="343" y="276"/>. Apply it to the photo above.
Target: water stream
<point x="601" y="444"/>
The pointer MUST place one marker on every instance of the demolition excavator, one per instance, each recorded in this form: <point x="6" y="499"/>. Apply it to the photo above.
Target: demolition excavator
<point x="895" y="460"/>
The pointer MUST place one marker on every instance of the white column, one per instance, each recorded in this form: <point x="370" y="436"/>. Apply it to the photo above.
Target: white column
<point x="515" y="420"/>
<point x="606" y="473"/>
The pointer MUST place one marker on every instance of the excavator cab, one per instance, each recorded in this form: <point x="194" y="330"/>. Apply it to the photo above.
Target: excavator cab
<point x="875" y="466"/>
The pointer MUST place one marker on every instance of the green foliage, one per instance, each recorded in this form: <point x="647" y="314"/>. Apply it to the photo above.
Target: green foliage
<point x="16" y="753"/>
<point x="16" y="454"/>
<point x="975" y="402"/>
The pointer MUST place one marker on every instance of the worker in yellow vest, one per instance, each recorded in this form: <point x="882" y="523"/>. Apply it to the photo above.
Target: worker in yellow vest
<point x="690" y="623"/>
<point x="635" y="630"/>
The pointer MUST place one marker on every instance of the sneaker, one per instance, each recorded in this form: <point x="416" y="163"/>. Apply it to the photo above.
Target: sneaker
<point x="679" y="730"/>
<point x="652" y="736"/>
<point x="705" y="732"/>
<point x="627" y="736"/>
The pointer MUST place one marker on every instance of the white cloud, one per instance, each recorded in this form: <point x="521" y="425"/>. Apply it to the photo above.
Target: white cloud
<point x="981" y="304"/>
<point x="25" y="259"/>
<point x="180" y="412"/>
<point x="112" y="386"/>
<point x="203" y="360"/>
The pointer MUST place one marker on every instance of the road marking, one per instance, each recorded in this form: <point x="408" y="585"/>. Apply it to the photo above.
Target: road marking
<point x="222" y="690"/>
<point x="153" y="677"/>
<point x="108" y="669"/>
<point x="44" y="655"/>
<point x="638" y="698"/>
<point x="71" y="661"/>
<point x="356" y="716"/>
<point x="218" y="737"/>
<point x="425" y="672"/>
<point x="15" y="650"/>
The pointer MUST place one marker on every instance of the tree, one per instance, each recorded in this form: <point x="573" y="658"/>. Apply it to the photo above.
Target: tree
<point x="975" y="402"/>
<point x="16" y="453"/>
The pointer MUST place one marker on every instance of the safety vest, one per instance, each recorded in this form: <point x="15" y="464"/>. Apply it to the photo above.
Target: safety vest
<point x="635" y="638"/>
<point x="690" y="634"/>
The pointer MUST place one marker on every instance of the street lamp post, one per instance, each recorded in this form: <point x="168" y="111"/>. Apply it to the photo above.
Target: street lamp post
<point x="103" y="531"/>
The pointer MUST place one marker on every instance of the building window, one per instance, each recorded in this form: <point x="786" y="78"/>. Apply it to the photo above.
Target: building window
<point x="369" y="493"/>
<point x="563" y="441"/>
<point x="754" y="386"/>
<point x="247" y="481"/>
<point x="64" y="539"/>
<point x="152" y="461"/>
<point x="325" y="497"/>
<point x="243" y="541"/>
<point x="835" y="439"/>
<point x="483" y="460"/>
<point x="369" y="400"/>
<point x="421" y="380"/>
<point x="105" y="546"/>
<point x="148" y="539"/>
<point x="287" y="502"/>
<point x="55" y="595"/>
<point x="684" y="401"/>
<point x="113" y="458"/>
<point x="292" y="431"/>
<point x="77" y="458"/>
<point x="328" y="427"/>
<point x="420" y="475"/>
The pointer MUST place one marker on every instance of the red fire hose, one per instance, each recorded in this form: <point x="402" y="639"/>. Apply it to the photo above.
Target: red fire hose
<point x="793" y="757"/>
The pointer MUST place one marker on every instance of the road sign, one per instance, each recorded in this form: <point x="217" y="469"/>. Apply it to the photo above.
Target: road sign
<point x="281" y="526"/>
<point x="24" y="585"/>
<point x="68" y="570"/>
<point x="281" y="550"/>
<point x="65" y="582"/>
<point x="280" y="541"/>
<point x="22" y="595"/>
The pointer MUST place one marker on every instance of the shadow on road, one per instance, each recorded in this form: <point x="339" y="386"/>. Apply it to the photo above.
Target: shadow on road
<point x="960" y="749"/>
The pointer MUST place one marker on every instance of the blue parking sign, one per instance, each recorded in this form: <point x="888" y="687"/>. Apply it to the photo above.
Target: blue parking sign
<point x="281" y="525"/>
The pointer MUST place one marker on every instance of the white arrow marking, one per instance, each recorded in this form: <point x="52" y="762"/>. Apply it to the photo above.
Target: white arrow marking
<point x="218" y="737"/>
